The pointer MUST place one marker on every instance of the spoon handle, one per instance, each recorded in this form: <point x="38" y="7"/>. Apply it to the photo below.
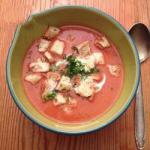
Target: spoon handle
<point x="139" y="118"/>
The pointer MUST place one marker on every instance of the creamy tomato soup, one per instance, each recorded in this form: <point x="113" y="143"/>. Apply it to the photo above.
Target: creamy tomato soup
<point x="72" y="74"/>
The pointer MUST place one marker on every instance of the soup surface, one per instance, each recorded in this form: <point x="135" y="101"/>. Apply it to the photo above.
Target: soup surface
<point x="72" y="74"/>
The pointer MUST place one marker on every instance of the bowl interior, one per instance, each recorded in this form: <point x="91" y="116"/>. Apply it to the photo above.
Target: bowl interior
<point x="35" y="26"/>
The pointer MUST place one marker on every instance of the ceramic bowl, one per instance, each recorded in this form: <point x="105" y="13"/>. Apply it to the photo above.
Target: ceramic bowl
<point x="35" y="26"/>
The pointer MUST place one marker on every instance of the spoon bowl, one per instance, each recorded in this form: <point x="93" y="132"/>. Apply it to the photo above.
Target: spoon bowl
<point x="141" y="36"/>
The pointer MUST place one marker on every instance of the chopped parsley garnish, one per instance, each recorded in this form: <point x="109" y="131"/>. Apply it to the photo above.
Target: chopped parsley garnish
<point x="50" y="96"/>
<point x="76" y="67"/>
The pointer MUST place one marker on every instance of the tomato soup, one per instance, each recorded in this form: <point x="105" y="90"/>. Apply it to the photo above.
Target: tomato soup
<point x="72" y="74"/>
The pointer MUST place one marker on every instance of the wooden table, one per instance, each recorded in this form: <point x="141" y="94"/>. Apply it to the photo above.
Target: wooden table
<point x="18" y="133"/>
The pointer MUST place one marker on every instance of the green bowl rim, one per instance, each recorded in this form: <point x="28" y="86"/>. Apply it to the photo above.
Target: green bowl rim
<point x="120" y="112"/>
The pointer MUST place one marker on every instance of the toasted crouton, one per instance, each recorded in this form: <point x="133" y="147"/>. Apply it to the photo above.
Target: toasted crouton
<point x="102" y="42"/>
<point x="52" y="32"/>
<point x="60" y="100"/>
<point x="88" y="62"/>
<point x="48" y="56"/>
<point x="39" y="66"/>
<point x="49" y="86"/>
<point x="85" y="88"/>
<point x="43" y="46"/>
<point x="33" y="78"/>
<point x="114" y="70"/>
<point x="83" y="48"/>
<point x="58" y="47"/>
<point x="64" y="83"/>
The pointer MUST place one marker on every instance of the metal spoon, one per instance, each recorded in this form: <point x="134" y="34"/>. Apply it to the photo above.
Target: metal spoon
<point x="141" y="37"/>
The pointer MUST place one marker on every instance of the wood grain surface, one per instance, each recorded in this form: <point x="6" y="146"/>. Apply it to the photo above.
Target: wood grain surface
<point x="18" y="133"/>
